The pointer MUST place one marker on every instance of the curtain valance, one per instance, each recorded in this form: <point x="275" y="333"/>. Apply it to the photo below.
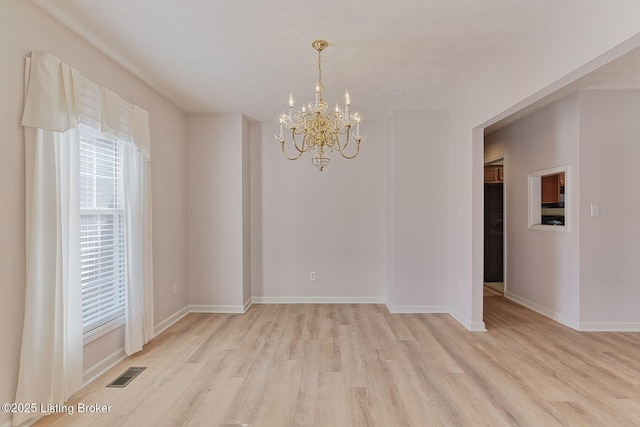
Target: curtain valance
<point x="59" y="98"/>
<point x="50" y="102"/>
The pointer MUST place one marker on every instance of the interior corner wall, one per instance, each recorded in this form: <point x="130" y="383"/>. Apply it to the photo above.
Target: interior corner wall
<point x="246" y="211"/>
<point x="390" y="171"/>
<point x="418" y="197"/>
<point x="217" y="192"/>
<point x="25" y="27"/>
<point x="461" y="158"/>
<point x="610" y="242"/>
<point x="255" y="163"/>
<point x="543" y="267"/>
<point x="331" y="222"/>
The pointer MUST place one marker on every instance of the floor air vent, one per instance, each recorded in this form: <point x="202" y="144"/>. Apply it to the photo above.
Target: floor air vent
<point x="124" y="379"/>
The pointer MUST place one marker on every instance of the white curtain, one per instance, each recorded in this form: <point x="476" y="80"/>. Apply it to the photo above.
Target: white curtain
<point x="51" y="356"/>
<point x="137" y="193"/>
<point x="51" y="353"/>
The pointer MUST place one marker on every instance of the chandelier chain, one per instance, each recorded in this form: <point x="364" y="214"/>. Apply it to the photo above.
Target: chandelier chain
<point x="320" y="68"/>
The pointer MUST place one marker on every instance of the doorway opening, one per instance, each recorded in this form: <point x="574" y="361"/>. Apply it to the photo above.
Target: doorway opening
<point x="494" y="229"/>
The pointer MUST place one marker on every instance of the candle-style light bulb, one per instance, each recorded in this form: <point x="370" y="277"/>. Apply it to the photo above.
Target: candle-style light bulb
<point x="291" y="106"/>
<point x="347" y="101"/>
<point x="337" y="107"/>
<point x="317" y="93"/>
<point x="358" y="125"/>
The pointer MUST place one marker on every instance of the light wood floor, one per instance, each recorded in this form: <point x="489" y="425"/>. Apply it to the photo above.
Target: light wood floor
<point x="358" y="365"/>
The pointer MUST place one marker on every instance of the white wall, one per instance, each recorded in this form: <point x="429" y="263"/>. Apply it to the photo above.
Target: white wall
<point x="332" y="222"/>
<point x="216" y="210"/>
<point x="419" y="200"/>
<point x="594" y="286"/>
<point x="543" y="267"/>
<point x="610" y="243"/>
<point x="25" y="27"/>
<point x="600" y="32"/>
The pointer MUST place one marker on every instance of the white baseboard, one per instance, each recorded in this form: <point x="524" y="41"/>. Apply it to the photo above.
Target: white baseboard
<point x="248" y="303"/>
<point x="476" y="327"/>
<point x="319" y="300"/>
<point x="119" y="355"/>
<point x="545" y="311"/>
<point x="610" y="326"/>
<point x="103" y="366"/>
<point x="417" y="309"/>
<point x="227" y="309"/>
<point x="169" y="321"/>
<point x="468" y="324"/>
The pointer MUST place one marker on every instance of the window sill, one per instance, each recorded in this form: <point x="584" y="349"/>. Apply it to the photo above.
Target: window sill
<point x="544" y="227"/>
<point x="103" y="330"/>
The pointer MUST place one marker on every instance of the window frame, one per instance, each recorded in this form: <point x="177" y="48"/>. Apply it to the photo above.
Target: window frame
<point x="534" y="199"/>
<point x="110" y="319"/>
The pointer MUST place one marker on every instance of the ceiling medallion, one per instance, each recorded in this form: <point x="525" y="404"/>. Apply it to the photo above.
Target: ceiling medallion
<point x="320" y="131"/>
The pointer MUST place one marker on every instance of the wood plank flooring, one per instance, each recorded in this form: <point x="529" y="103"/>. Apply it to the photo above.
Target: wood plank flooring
<point x="358" y="365"/>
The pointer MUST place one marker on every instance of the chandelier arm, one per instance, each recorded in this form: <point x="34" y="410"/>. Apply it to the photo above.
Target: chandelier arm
<point x="306" y="145"/>
<point x="295" y="143"/>
<point x="334" y="143"/>
<point x="356" y="153"/>
<point x="284" y="153"/>
<point x="347" y="139"/>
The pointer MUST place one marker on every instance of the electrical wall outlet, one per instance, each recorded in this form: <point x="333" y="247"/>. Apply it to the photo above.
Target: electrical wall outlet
<point x="312" y="275"/>
<point x="175" y="288"/>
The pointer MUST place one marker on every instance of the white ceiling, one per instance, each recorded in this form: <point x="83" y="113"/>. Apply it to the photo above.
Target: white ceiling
<point x="244" y="56"/>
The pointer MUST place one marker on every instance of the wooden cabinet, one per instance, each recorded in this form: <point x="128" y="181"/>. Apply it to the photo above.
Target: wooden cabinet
<point x="551" y="188"/>
<point x="493" y="174"/>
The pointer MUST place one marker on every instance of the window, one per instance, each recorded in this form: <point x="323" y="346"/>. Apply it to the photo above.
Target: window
<point x="102" y="234"/>
<point x="548" y="204"/>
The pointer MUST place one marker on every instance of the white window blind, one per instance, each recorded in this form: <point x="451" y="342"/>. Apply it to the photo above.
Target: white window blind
<point x="102" y="231"/>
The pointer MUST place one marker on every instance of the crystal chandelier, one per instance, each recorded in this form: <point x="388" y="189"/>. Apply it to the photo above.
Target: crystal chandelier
<point x="320" y="131"/>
